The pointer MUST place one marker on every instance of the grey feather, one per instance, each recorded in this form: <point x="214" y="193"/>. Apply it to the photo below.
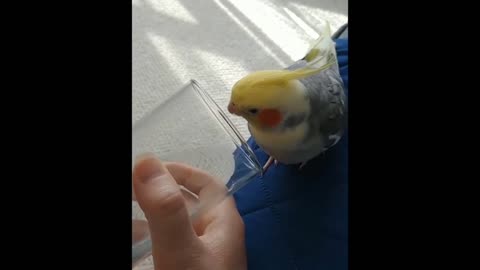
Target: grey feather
<point x="294" y="120"/>
<point x="328" y="117"/>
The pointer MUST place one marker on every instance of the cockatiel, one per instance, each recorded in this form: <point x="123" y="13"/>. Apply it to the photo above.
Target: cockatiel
<point x="295" y="114"/>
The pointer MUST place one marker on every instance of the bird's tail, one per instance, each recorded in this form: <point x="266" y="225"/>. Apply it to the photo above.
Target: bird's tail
<point x="322" y="51"/>
<point x="321" y="55"/>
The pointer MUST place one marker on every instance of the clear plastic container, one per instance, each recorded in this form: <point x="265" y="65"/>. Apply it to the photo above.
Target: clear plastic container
<point x="191" y="128"/>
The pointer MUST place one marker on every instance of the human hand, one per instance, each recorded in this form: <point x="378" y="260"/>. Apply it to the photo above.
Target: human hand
<point x="216" y="241"/>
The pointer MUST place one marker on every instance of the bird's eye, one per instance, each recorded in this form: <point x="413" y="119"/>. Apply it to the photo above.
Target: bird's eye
<point x="253" y="111"/>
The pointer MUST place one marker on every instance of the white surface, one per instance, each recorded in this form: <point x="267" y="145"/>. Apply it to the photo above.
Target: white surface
<point x="217" y="42"/>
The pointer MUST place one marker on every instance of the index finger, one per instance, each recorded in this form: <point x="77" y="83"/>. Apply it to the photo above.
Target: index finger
<point x="209" y="189"/>
<point x="195" y="180"/>
<point x="190" y="177"/>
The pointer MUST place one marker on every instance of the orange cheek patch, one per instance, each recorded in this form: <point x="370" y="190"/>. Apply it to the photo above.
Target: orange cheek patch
<point x="270" y="117"/>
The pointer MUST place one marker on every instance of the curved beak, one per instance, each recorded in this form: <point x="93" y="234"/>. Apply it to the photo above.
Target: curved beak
<point x="232" y="109"/>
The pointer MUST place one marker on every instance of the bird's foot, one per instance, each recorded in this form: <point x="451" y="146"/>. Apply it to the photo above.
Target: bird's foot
<point x="302" y="165"/>
<point x="269" y="163"/>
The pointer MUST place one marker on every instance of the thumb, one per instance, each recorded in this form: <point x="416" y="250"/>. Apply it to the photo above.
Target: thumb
<point x="160" y="198"/>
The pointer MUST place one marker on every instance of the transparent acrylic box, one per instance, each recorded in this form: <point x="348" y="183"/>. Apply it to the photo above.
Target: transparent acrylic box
<point x="191" y="128"/>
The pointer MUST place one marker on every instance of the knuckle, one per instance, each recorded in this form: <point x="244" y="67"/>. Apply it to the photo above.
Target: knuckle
<point x="167" y="202"/>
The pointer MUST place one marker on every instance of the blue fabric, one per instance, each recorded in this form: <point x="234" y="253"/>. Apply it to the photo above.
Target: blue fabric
<point x="299" y="219"/>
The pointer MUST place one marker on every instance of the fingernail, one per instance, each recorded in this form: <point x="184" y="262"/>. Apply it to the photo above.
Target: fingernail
<point x="149" y="167"/>
<point x="144" y="156"/>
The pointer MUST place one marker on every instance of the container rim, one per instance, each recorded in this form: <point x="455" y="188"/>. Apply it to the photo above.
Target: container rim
<point x="227" y="125"/>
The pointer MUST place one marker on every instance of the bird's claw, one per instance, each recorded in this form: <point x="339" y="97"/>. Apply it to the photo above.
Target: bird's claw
<point x="269" y="163"/>
<point x="302" y="165"/>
